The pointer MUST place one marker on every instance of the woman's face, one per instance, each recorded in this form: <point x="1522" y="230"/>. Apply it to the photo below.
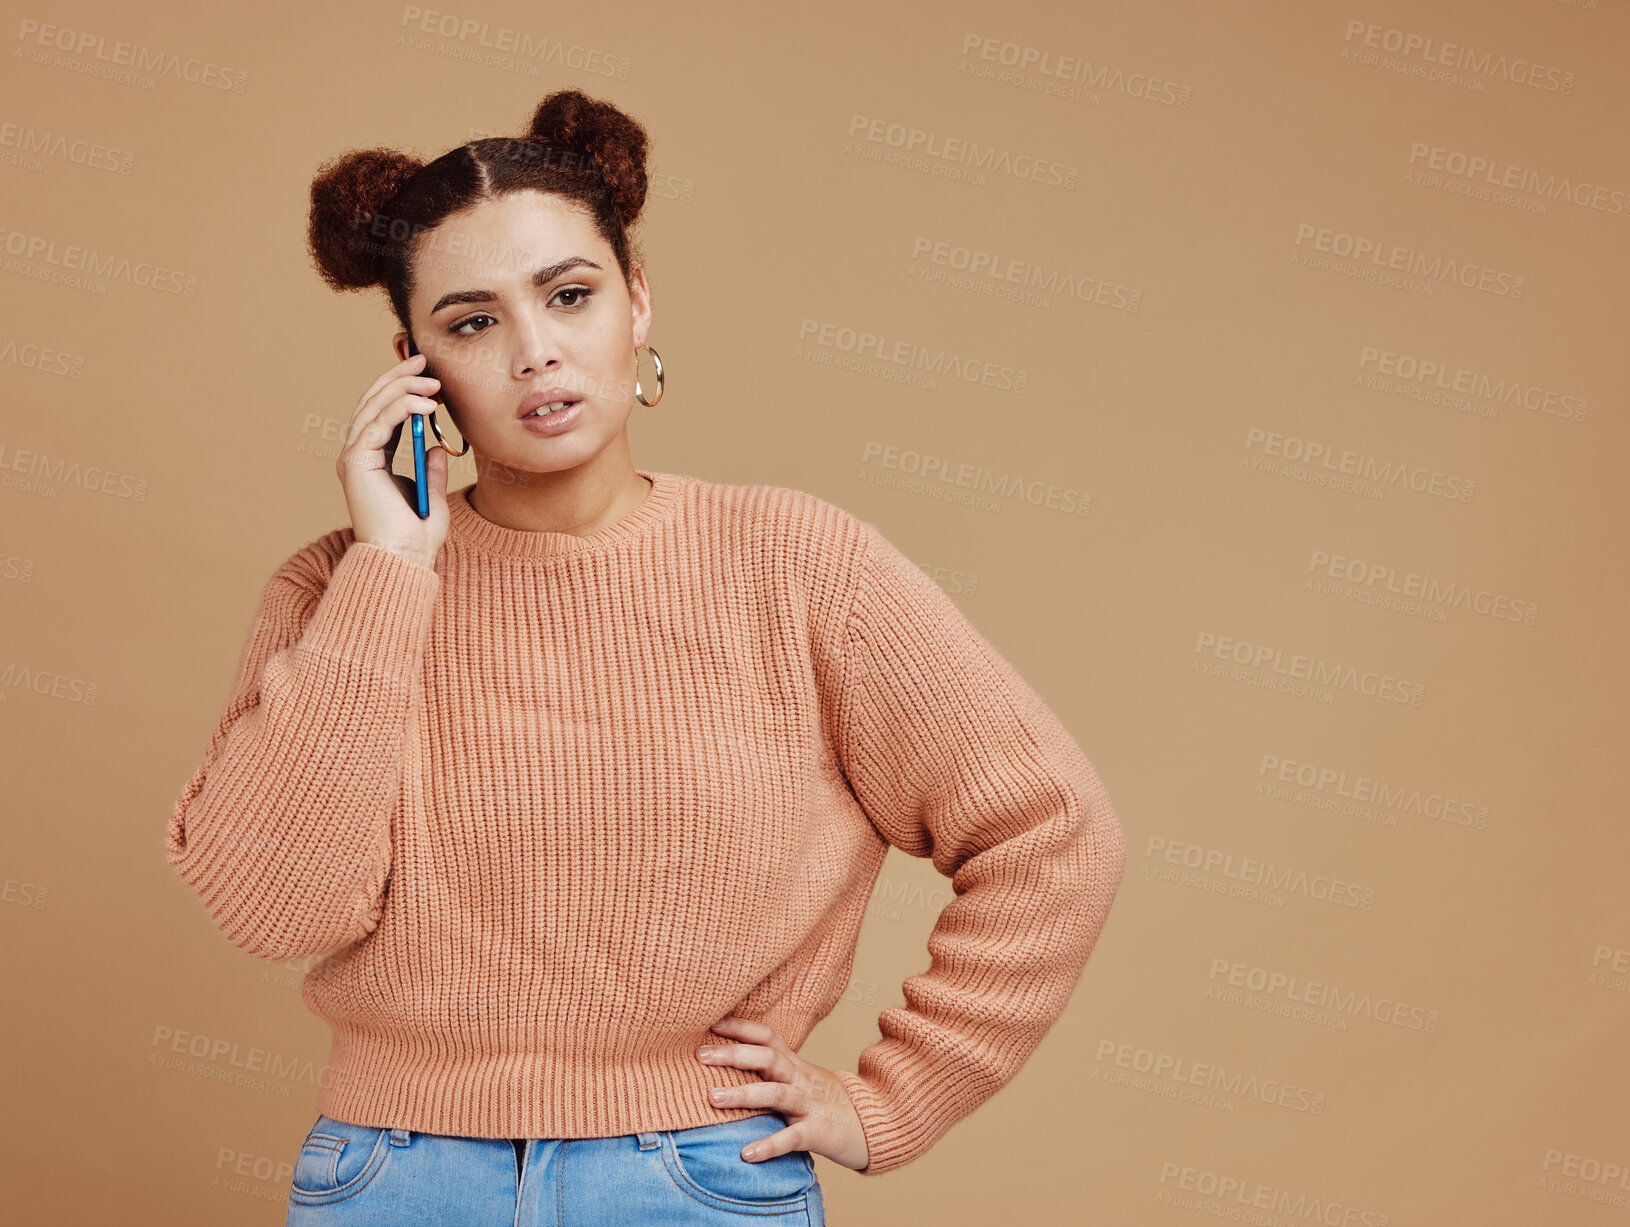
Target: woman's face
<point x="515" y="296"/>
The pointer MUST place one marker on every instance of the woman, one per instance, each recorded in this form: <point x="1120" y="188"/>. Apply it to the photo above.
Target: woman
<point x="582" y="784"/>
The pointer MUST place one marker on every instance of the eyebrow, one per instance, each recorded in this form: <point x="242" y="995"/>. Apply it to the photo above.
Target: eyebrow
<point x="542" y="277"/>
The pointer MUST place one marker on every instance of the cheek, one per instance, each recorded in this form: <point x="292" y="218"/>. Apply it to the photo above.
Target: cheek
<point x="614" y="369"/>
<point x="480" y="397"/>
<point x="479" y="384"/>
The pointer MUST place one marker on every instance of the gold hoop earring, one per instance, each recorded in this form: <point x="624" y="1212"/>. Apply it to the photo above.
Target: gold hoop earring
<point x="436" y="430"/>
<point x="639" y="393"/>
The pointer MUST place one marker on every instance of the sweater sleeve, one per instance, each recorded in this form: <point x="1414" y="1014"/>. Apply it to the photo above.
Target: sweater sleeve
<point x="283" y="831"/>
<point x="954" y="757"/>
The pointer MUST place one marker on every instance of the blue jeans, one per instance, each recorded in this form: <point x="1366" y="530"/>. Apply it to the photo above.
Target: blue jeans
<point x="362" y="1176"/>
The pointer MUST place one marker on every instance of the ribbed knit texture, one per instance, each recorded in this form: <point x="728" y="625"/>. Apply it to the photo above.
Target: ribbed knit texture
<point x="556" y="806"/>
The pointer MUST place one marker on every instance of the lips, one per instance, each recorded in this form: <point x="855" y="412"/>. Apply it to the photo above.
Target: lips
<point x="547" y="396"/>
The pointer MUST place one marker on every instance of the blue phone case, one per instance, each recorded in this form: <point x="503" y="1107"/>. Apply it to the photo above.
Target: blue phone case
<point x="420" y="483"/>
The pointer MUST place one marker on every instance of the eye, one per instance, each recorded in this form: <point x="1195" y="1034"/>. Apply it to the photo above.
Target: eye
<point x="458" y="327"/>
<point x="583" y="295"/>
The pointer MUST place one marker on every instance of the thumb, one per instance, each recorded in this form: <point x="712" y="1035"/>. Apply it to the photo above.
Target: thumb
<point x="436" y="462"/>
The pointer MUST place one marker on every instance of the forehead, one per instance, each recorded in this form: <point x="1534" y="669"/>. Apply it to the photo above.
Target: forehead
<point x="499" y="242"/>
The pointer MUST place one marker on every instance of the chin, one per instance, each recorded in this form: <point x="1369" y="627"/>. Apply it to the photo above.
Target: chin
<point x="554" y="455"/>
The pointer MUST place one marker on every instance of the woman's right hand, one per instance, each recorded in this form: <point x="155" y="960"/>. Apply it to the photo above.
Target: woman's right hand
<point x="378" y="499"/>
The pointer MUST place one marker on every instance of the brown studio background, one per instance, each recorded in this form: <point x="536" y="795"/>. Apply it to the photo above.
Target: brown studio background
<point x="1370" y="962"/>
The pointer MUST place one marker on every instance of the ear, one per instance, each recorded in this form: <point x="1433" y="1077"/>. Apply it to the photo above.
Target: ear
<point x="639" y="297"/>
<point x="400" y="343"/>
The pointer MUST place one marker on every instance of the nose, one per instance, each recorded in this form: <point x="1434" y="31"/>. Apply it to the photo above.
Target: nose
<point x="535" y="345"/>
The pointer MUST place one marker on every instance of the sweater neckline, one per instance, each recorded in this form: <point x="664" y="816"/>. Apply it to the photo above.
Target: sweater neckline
<point x="468" y="525"/>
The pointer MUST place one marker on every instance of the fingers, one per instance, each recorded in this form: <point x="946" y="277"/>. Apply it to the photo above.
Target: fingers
<point x="407" y="366"/>
<point x="767" y="1061"/>
<point x="753" y="1095"/>
<point x="792" y="1086"/>
<point x="373" y="422"/>
<point x="776" y="1144"/>
<point x="751" y="1030"/>
<point x="762" y="1095"/>
<point x="404" y="377"/>
<point x="436" y="461"/>
<point x="754" y="1029"/>
<point x="760" y="1046"/>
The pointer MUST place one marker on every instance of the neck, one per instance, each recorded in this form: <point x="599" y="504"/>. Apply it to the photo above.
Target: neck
<point x="578" y="501"/>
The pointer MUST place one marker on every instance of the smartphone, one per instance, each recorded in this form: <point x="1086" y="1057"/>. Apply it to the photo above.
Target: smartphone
<point x="420" y="499"/>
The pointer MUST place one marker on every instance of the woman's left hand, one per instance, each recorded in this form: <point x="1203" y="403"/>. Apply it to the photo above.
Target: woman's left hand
<point x="820" y="1117"/>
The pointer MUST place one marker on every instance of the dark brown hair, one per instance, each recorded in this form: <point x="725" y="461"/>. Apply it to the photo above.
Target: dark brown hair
<point x="369" y="206"/>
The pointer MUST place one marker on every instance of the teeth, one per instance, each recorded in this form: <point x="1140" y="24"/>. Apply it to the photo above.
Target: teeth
<point x="545" y="410"/>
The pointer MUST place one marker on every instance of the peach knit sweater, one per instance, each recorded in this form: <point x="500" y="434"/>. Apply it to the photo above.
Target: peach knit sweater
<point x="556" y="806"/>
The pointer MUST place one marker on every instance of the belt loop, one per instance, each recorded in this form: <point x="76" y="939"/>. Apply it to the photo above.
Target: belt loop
<point x="649" y="1141"/>
<point x="401" y="1137"/>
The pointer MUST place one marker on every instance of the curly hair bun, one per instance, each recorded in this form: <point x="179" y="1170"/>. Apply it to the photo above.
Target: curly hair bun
<point x="346" y="199"/>
<point x="614" y="142"/>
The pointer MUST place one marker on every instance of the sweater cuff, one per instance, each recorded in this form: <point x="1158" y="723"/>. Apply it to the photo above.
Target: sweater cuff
<point x="375" y="611"/>
<point x="887" y="1145"/>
